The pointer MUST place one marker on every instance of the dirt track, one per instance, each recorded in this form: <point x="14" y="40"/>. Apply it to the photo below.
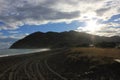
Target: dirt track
<point x="28" y="67"/>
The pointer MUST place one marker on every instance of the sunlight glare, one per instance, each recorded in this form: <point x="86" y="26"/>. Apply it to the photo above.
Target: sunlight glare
<point x="91" y="26"/>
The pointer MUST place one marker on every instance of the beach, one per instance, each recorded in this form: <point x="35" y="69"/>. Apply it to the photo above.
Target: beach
<point x="28" y="67"/>
<point x="62" y="64"/>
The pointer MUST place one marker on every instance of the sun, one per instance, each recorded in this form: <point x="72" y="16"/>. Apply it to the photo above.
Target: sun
<point x="91" y="26"/>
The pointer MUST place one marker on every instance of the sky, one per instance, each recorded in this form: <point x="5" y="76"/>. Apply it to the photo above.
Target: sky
<point x="19" y="18"/>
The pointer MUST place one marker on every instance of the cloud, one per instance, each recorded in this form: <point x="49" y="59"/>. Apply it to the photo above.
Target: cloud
<point x="36" y="12"/>
<point x="115" y="19"/>
<point x="4" y="45"/>
<point x="101" y="11"/>
<point x="102" y="29"/>
<point x="31" y="12"/>
<point x="109" y="9"/>
<point x="7" y="41"/>
<point x="18" y="36"/>
<point x="13" y="32"/>
<point x="111" y="31"/>
<point x="16" y="13"/>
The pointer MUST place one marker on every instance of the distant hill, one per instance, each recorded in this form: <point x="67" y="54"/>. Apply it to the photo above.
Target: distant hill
<point x="63" y="39"/>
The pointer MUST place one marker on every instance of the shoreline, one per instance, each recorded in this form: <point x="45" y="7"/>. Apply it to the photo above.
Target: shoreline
<point x="52" y="64"/>
<point x="21" y="53"/>
<point x="27" y="66"/>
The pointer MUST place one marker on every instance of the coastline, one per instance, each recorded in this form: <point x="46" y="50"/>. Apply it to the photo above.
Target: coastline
<point x="25" y="52"/>
<point x="52" y="64"/>
<point x="27" y="65"/>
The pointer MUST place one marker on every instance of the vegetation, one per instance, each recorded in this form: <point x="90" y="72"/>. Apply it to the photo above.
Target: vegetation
<point x="87" y="64"/>
<point x="97" y="52"/>
<point x="106" y="44"/>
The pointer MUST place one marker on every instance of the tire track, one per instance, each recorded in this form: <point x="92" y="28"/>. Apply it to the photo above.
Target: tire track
<point x="14" y="71"/>
<point x="32" y="68"/>
<point x="63" y="78"/>
<point x="10" y="71"/>
<point x="28" y="71"/>
<point x="17" y="75"/>
<point x="40" y="76"/>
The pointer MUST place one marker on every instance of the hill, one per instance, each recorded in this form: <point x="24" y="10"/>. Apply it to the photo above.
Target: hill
<point x="64" y="39"/>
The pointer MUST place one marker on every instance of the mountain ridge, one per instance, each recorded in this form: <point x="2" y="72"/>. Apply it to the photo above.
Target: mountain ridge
<point x="62" y="39"/>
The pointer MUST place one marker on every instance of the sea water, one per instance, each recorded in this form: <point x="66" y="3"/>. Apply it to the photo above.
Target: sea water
<point x="10" y="52"/>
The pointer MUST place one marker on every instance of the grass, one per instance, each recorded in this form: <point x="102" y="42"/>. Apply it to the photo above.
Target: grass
<point x="101" y="55"/>
<point x="87" y="63"/>
<point x="98" y="52"/>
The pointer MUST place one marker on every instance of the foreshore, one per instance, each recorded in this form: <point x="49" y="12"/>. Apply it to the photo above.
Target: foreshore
<point x="26" y="66"/>
<point x="61" y="64"/>
<point x="13" y="52"/>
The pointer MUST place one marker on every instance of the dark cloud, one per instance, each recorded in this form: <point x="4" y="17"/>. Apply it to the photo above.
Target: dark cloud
<point x="23" y="12"/>
<point x="102" y="11"/>
<point x="43" y="13"/>
<point x="38" y="13"/>
<point x="118" y="9"/>
<point x="106" y="31"/>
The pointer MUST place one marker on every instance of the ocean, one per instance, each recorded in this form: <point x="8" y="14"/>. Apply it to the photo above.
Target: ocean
<point x="10" y="52"/>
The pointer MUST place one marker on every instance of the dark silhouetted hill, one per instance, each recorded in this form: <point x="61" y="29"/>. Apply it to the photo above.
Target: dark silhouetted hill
<point x="63" y="39"/>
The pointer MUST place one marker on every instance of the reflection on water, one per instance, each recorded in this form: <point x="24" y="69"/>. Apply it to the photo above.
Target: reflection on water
<point x="9" y="52"/>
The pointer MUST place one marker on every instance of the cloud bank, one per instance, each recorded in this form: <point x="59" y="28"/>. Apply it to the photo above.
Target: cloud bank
<point x="15" y="13"/>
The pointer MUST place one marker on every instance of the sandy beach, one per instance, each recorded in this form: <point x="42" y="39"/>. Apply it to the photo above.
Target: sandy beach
<point x="61" y="64"/>
<point x="28" y="67"/>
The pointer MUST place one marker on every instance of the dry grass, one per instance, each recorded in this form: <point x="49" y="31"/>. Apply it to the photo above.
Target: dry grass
<point x="98" y="52"/>
<point x="101" y="55"/>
